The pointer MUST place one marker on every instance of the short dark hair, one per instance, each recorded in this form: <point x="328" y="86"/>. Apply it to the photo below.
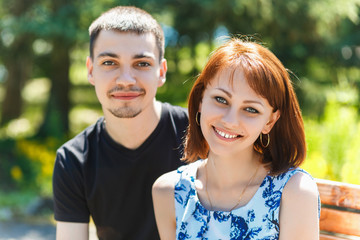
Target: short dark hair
<point x="127" y="19"/>
<point x="267" y="76"/>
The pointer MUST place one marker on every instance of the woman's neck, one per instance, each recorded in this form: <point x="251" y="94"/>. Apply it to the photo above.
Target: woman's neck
<point x="230" y="171"/>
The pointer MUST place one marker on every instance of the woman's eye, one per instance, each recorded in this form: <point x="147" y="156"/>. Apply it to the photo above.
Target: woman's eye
<point x="221" y="100"/>
<point x="251" y="110"/>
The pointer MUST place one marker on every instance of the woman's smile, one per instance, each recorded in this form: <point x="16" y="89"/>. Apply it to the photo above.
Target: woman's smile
<point x="226" y="135"/>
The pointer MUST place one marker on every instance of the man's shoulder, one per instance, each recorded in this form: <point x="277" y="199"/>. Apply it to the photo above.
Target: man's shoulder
<point x="79" y="142"/>
<point x="176" y="111"/>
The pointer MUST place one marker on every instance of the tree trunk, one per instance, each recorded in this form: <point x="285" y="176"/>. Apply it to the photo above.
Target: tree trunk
<point x="17" y="59"/>
<point x="19" y="67"/>
<point x="56" y="123"/>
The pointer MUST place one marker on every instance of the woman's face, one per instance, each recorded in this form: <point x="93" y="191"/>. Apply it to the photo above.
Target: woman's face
<point x="233" y="115"/>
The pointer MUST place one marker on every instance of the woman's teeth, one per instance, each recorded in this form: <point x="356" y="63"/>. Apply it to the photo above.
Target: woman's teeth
<point x="225" y="135"/>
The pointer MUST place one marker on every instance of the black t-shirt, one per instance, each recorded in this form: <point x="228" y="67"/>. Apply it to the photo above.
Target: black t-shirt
<point x="95" y="176"/>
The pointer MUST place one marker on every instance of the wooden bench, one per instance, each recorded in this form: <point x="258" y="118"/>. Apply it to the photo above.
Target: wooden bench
<point x="340" y="210"/>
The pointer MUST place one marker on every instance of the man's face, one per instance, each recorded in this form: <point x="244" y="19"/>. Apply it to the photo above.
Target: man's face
<point x="126" y="72"/>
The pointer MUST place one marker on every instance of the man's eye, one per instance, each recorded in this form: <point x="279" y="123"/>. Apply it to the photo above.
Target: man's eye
<point x="143" y="64"/>
<point x="251" y="110"/>
<point x="108" y="63"/>
<point x="221" y="100"/>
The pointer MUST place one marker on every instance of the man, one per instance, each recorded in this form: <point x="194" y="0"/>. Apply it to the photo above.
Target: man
<point x="107" y="171"/>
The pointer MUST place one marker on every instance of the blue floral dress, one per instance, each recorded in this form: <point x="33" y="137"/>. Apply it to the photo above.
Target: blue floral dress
<point x="258" y="219"/>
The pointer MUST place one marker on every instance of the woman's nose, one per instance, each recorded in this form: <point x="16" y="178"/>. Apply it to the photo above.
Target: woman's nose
<point x="231" y="118"/>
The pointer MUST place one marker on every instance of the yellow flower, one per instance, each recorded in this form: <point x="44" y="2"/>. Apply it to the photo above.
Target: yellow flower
<point x="16" y="173"/>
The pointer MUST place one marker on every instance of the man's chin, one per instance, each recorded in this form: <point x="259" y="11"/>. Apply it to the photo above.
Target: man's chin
<point x="124" y="112"/>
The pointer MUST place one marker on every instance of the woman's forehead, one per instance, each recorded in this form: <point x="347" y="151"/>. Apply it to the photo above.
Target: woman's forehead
<point x="228" y="76"/>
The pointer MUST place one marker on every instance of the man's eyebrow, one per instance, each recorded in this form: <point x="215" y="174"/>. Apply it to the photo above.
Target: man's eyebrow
<point x="137" y="56"/>
<point x="107" y="54"/>
<point x="144" y="55"/>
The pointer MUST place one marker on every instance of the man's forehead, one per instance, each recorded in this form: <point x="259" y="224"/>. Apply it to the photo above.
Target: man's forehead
<point x="129" y="43"/>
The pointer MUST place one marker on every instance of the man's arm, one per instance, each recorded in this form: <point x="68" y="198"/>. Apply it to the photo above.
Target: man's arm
<point x="72" y="230"/>
<point x="70" y="208"/>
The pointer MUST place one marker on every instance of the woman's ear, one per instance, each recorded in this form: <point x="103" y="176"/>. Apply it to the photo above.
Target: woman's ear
<point x="273" y="119"/>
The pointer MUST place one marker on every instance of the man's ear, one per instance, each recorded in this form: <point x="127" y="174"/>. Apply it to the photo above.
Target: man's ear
<point x="273" y="119"/>
<point x="89" y="66"/>
<point x="163" y="70"/>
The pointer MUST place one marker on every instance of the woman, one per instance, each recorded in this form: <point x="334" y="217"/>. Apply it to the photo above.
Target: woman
<point x="246" y="128"/>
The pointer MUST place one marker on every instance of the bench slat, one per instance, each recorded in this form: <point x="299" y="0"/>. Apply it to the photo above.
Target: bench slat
<point x="328" y="237"/>
<point x="332" y="220"/>
<point x="339" y="194"/>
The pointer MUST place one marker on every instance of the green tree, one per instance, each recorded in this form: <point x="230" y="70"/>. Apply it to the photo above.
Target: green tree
<point x="16" y="55"/>
<point x="63" y="19"/>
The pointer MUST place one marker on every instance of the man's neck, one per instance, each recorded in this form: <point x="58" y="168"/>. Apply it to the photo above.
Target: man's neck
<point x="132" y="132"/>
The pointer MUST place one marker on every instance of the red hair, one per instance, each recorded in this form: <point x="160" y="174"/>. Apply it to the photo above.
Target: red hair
<point x="267" y="76"/>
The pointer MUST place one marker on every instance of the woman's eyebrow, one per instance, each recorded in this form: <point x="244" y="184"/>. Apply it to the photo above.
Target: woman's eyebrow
<point x="225" y="91"/>
<point x="246" y="101"/>
<point x="254" y="101"/>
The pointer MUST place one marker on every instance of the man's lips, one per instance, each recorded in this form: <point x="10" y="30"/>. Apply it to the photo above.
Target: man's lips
<point x="125" y="95"/>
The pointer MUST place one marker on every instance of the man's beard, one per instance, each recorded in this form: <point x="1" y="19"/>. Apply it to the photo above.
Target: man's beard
<point x="125" y="112"/>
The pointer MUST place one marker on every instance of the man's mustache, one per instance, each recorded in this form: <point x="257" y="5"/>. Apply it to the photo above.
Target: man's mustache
<point x="126" y="89"/>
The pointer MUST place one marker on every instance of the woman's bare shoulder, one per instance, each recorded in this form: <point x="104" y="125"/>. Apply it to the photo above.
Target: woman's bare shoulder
<point x="166" y="183"/>
<point x="301" y="185"/>
<point x="299" y="208"/>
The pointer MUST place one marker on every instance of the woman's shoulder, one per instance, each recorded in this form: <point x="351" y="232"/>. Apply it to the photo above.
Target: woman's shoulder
<point x="292" y="176"/>
<point x="301" y="185"/>
<point x="295" y="184"/>
<point x="300" y="206"/>
<point x="166" y="183"/>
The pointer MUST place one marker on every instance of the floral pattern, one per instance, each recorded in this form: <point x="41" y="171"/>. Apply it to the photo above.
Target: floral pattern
<point x="258" y="219"/>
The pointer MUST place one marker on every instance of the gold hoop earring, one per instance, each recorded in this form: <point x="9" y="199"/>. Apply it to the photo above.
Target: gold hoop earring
<point x="268" y="140"/>
<point x="197" y="118"/>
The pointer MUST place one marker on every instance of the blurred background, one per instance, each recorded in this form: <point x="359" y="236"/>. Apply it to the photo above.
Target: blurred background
<point x="45" y="98"/>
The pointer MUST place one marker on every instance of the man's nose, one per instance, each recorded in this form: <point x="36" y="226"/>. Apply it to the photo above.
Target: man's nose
<point x="125" y="77"/>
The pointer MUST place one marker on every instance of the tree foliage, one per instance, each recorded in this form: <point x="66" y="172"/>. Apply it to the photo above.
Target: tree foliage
<point x="45" y="43"/>
<point x="317" y="40"/>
